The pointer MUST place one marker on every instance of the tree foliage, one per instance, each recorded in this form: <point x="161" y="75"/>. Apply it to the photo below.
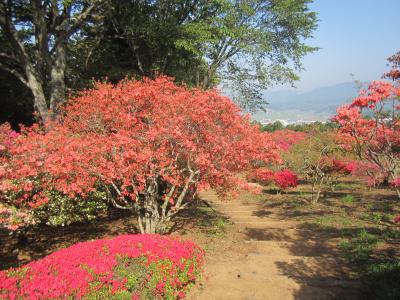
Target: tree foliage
<point x="256" y="44"/>
<point x="148" y="145"/>
<point x="286" y="138"/>
<point x="53" y="46"/>
<point x="35" y="36"/>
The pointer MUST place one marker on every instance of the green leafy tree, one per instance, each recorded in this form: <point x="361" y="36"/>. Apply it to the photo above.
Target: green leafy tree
<point x="53" y="46"/>
<point x="277" y="125"/>
<point x="252" y="44"/>
<point x="35" y="37"/>
<point x="247" y="45"/>
<point x="141" y="39"/>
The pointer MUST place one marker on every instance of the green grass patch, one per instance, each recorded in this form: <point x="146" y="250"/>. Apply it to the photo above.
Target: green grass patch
<point x="349" y="199"/>
<point x="218" y="226"/>
<point x="359" y="248"/>
<point x="383" y="280"/>
<point x="337" y="221"/>
<point x="377" y="217"/>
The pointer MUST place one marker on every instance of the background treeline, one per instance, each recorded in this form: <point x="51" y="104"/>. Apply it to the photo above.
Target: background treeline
<point x="305" y="127"/>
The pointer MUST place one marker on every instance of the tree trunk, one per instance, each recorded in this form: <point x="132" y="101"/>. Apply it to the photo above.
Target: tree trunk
<point x="150" y="223"/>
<point x="39" y="99"/>
<point x="57" y="81"/>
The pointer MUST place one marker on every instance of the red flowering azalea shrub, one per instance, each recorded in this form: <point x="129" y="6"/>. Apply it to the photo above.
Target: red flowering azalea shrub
<point x="146" y="146"/>
<point x="7" y="136"/>
<point x="125" y="267"/>
<point x="10" y="217"/>
<point x="262" y="176"/>
<point x="370" y="126"/>
<point x="285" y="179"/>
<point x="396" y="182"/>
<point x="369" y="173"/>
<point x="342" y="166"/>
<point x="394" y="73"/>
<point x="286" y="138"/>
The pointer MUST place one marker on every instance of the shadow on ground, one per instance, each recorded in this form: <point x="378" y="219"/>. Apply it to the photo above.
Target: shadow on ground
<point x="41" y="241"/>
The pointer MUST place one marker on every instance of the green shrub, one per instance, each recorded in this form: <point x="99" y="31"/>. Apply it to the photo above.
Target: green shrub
<point x="62" y="210"/>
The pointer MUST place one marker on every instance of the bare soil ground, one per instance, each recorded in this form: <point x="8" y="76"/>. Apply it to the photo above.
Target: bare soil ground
<point x="268" y="257"/>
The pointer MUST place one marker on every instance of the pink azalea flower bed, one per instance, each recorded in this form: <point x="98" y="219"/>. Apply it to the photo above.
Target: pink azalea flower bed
<point x="125" y="267"/>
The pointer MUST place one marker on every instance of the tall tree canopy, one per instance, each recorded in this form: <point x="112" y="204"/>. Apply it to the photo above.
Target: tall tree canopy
<point x="52" y="45"/>
<point x="250" y="45"/>
<point x="35" y="36"/>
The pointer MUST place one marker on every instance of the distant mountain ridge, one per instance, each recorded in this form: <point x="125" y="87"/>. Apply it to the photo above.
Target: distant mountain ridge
<point x="318" y="104"/>
<point x="323" y="99"/>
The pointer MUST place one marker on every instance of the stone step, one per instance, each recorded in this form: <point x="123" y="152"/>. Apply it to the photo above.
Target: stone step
<point x="252" y="218"/>
<point x="293" y="267"/>
<point x="295" y="248"/>
<point x="233" y="204"/>
<point x="248" y="214"/>
<point x="233" y="213"/>
<point x="265" y="224"/>
<point x="249" y="286"/>
<point x="227" y="210"/>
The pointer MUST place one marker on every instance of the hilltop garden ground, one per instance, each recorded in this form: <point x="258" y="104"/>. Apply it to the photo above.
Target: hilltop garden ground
<point x="353" y="224"/>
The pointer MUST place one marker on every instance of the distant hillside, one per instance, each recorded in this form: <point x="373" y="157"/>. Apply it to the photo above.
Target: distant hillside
<point x="324" y="99"/>
<point x="318" y="104"/>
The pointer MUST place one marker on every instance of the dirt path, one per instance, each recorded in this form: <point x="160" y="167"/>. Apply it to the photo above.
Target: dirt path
<point x="270" y="258"/>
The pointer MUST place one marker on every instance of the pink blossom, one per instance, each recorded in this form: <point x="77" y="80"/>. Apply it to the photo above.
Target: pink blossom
<point x="68" y="273"/>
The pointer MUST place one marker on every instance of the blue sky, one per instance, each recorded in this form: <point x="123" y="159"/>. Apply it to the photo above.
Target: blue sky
<point x="355" y="36"/>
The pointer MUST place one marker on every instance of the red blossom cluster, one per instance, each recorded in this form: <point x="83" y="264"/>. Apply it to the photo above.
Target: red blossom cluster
<point x="262" y="176"/>
<point x="343" y="167"/>
<point x="286" y="138"/>
<point x="90" y="266"/>
<point x="9" y="216"/>
<point x="370" y="126"/>
<point x="394" y="73"/>
<point x="134" y="138"/>
<point x="396" y="182"/>
<point x="339" y="165"/>
<point x="369" y="173"/>
<point x="7" y="136"/>
<point x="283" y="179"/>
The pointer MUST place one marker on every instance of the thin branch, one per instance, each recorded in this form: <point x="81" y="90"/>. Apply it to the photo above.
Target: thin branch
<point x="8" y="56"/>
<point x="15" y="73"/>
<point x="79" y="19"/>
<point x="165" y="204"/>
<point x="114" y="203"/>
<point x="11" y="32"/>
